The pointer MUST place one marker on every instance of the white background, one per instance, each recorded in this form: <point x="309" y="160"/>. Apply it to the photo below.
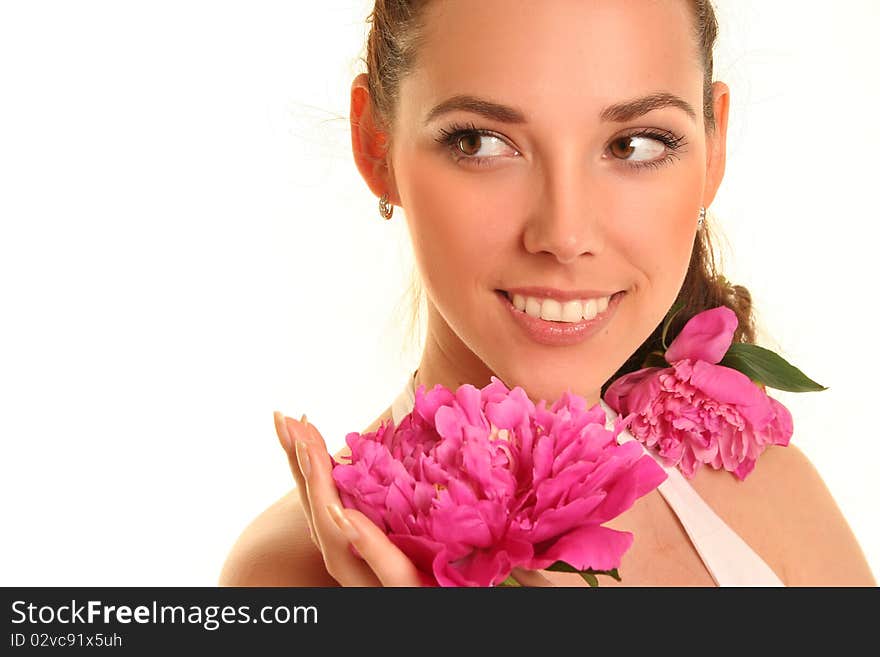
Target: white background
<point x="186" y="245"/>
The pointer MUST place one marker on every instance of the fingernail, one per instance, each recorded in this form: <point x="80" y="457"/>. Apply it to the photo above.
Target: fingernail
<point x="343" y="523"/>
<point x="309" y="431"/>
<point x="302" y="456"/>
<point x="306" y="427"/>
<point x="281" y="430"/>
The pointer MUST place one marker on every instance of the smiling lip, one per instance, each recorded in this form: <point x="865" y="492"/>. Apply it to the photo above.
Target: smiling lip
<point x="553" y="333"/>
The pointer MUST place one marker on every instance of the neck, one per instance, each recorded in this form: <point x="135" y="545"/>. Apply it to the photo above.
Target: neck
<point x="448" y="361"/>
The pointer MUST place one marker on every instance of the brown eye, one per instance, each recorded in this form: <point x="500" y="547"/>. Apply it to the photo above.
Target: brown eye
<point x="625" y="148"/>
<point x="473" y="138"/>
<point x="466" y="144"/>
<point x="621" y="147"/>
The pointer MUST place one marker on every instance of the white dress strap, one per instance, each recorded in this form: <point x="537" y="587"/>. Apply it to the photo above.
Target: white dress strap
<point x="405" y="401"/>
<point x="727" y="557"/>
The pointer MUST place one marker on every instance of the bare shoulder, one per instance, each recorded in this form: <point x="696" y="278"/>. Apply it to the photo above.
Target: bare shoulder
<point x="786" y="513"/>
<point x="275" y="548"/>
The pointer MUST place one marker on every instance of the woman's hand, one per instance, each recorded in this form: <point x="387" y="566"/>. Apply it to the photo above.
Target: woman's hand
<point x="333" y="527"/>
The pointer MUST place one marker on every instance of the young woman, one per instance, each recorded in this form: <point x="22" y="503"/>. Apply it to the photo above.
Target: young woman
<point x="544" y="153"/>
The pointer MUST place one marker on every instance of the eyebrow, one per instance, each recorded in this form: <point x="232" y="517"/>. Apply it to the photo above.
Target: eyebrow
<point x="618" y="113"/>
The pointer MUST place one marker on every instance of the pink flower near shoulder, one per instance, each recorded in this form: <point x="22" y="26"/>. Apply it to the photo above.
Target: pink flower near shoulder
<point x="474" y="483"/>
<point x="699" y="412"/>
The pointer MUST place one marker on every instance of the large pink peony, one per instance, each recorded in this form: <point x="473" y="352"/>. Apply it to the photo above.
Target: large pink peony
<point x="474" y="483"/>
<point x="696" y="411"/>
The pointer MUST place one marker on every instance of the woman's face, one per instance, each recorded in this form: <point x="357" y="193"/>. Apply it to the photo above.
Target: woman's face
<point x="559" y="198"/>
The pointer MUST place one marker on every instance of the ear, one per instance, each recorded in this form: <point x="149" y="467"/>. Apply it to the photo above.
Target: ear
<point x="716" y="151"/>
<point x="369" y="144"/>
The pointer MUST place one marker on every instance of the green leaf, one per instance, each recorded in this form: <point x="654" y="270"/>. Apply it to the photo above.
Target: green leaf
<point x="562" y="567"/>
<point x="769" y="368"/>
<point x="590" y="577"/>
<point x="510" y="581"/>
<point x="589" y="574"/>
<point x="666" y="322"/>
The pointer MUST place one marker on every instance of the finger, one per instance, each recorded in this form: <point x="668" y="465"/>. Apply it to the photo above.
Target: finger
<point x="386" y="560"/>
<point x="530" y="577"/>
<point x="287" y="442"/>
<point x="343" y="566"/>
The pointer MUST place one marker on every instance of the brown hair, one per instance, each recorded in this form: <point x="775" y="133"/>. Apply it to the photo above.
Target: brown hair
<point x="395" y="36"/>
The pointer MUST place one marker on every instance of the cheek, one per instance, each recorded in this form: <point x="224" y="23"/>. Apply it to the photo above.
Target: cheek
<point x="455" y="228"/>
<point x="655" y="232"/>
<point x="661" y="239"/>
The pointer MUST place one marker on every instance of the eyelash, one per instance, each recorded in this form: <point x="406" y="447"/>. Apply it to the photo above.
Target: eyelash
<point x="451" y="136"/>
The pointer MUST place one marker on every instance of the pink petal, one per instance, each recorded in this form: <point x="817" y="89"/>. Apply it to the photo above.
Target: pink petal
<point x="644" y="395"/>
<point x="644" y="476"/>
<point x="592" y="546"/>
<point x="461" y="493"/>
<point x="550" y="492"/>
<point x="648" y="475"/>
<point x="482" y="567"/>
<point x="507" y="413"/>
<point x="554" y="522"/>
<point x="427" y="403"/>
<point x="421" y="550"/>
<point x="617" y="394"/>
<point x="706" y="336"/>
<point x="448" y="422"/>
<point x="463" y="525"/>
<point x="469" y="399"/>
<point x="744" y="469"/>
<point x="729" y="386"/>
<point x="399" y="498"/>
<point x="543" y="457"/>
<point x="782" y="426"/>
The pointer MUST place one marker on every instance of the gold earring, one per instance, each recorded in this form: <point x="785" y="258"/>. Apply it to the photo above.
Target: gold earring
<point x="385" y="208"/>
<point x="702" y="217"/>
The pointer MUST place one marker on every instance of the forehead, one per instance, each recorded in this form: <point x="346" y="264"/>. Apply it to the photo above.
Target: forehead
<point x="554" y="58"/>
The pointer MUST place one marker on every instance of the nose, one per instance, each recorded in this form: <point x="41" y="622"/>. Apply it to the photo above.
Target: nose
<point x="566" y="222"/>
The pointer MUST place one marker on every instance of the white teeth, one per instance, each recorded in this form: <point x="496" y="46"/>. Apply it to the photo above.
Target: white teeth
<point x="533" y="307"/>
<point x="553" y="310"/>
<point x="590" y="309"/>
<point x="572" y="311"/>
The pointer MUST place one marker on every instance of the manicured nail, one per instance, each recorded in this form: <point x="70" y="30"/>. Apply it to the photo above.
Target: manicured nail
<point x="302" y="456"/>
<point x="281" y="430"/>
<point x="310" y="431"/>
<point x="343" y="523"/>
<point x="300" y="428"/>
